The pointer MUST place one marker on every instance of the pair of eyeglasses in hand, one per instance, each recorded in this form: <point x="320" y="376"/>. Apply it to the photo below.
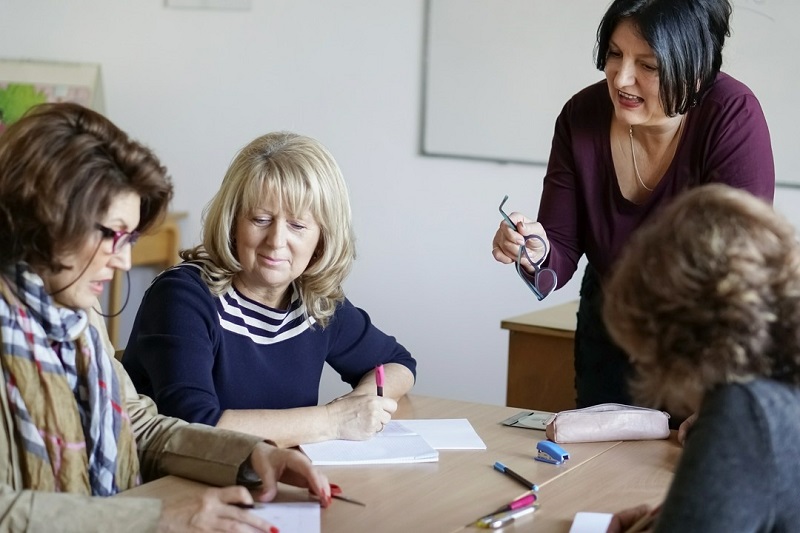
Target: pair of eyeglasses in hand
<point x="544" y="279"/>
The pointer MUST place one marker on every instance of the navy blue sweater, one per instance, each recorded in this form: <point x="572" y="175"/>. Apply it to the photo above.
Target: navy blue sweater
<point x="198" y="355"/>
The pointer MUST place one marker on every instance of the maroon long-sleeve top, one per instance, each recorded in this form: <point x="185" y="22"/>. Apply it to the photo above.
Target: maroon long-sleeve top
<point x="725" y="140"/>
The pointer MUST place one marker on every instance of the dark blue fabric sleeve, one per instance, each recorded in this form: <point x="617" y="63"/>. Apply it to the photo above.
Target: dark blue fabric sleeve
<point x="170" y="354"/>
<point x="357" y="346"/>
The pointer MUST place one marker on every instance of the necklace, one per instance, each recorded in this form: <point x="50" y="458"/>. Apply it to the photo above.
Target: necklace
<point x="635" y="166"/>
<point x="633" y="153"/>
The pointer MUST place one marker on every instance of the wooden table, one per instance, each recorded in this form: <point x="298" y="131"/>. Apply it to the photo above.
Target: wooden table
<point x="541" y="371"/>
<point x="159" y="248"/>
<point x="444" y="496"/>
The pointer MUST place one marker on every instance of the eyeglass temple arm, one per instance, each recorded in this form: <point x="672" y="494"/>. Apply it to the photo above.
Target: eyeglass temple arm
<point x="505" y="216"/>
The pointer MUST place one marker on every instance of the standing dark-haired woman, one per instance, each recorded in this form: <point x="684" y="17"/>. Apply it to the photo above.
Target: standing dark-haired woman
<point x="665" y="119"/>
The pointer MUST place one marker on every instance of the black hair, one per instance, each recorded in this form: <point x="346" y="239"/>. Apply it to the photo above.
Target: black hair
<point x="686" y="36"/>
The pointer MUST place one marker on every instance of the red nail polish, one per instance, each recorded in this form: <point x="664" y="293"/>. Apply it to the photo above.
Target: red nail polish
<point x="274" y="529"/>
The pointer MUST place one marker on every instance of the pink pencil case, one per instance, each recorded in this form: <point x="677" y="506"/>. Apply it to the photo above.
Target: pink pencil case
<point x="607" y="421"/>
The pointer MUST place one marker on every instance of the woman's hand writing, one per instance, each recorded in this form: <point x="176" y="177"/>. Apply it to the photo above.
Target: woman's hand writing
<point x="359" y="417"/>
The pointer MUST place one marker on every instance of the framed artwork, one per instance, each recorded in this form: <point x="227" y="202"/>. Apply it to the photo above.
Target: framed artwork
<point x="23" y="84"/>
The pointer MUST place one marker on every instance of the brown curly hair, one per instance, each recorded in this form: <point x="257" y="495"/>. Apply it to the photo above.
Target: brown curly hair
<point x="707" y="293"/>
<point x="61" y="166"/>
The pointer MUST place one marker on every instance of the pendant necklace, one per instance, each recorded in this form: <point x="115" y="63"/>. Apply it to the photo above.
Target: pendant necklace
<point x="635" y="166"/>
<point x="633" y="154"/>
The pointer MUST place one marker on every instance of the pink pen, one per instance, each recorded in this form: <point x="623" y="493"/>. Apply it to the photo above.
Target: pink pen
<point x="516" y="504"/>
<point x="379" y="377"/>
<point x="520" y="502"/>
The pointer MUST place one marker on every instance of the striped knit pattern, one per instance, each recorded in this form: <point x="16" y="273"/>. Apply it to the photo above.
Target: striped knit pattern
<point x="259" y="323"/>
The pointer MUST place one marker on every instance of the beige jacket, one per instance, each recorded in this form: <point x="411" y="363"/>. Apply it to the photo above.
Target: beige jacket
<point x="166" y="446"/>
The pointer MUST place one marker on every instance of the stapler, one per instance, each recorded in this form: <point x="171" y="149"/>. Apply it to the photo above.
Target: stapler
<point x="550" y="452"/>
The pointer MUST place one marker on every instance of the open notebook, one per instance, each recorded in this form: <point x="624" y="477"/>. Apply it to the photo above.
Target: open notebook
<point x="395" y="444"/>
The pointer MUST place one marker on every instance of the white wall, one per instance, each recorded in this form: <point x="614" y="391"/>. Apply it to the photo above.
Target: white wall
<point x="198" y="85"/>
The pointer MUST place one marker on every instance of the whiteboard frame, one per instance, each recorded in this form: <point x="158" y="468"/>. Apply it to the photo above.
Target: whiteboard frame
<point x="519" y="127"/>
<point x="760" y="52"/>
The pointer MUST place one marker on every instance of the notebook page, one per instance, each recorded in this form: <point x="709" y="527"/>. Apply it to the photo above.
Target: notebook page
<point x="395" y="444"/>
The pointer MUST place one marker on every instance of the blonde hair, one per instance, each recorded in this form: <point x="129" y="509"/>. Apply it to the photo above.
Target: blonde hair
<point x="707" y="293"/>
<point x="304" y="177"/>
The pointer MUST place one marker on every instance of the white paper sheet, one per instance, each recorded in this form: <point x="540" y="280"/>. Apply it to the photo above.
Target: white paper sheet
<point x="446" y="433"/>
<point x="395" y="444"/>
<point x="590" y="522"/>
<point x="291" y="517"/>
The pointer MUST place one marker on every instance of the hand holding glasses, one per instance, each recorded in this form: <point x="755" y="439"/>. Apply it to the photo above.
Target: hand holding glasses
<point x="544" y="279"/>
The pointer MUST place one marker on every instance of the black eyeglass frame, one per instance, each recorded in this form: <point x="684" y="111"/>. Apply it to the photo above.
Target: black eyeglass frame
<point x="534" y="285"/>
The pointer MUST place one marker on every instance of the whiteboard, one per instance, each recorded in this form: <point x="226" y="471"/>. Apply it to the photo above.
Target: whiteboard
<point x="497" y="73"/>
<point x="762" y="52"/>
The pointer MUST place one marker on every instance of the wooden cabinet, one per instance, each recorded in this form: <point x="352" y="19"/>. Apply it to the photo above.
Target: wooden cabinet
<point x="541" y="372"/>
<point x="159" y="248"/>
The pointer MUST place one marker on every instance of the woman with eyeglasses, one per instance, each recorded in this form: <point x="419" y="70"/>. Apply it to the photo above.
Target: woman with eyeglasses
<point x="75" y="192"/>
<point x="665" y="119"/>
<point x="706" y="300"/>
<point x="238" y="334"/>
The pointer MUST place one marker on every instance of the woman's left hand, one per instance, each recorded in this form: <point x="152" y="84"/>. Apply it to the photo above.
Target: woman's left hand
<point x="287" y="466"/>
<point x="683" y="430"/>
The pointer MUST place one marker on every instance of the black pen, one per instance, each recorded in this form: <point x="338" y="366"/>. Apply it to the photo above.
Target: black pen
<point x="500" y="467"/>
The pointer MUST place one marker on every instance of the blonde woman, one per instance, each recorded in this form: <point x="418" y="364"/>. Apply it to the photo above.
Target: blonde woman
<point x="237" y="336"/>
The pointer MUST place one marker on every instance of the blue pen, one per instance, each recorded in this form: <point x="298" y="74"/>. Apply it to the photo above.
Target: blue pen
<point x="500" y="467"/>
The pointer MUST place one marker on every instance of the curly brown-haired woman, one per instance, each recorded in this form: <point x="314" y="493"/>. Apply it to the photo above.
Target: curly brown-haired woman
<point x="706" y="302"/>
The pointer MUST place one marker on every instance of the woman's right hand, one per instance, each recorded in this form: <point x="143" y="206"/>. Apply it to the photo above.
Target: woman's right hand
<point x="213" y="510"/>
<point x="359" y="417"/>
<point x="624" y="521"/>
<point x="507" y="240"/>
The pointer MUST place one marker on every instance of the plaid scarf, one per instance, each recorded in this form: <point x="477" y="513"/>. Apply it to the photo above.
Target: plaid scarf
<point x="72" y="429"/>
